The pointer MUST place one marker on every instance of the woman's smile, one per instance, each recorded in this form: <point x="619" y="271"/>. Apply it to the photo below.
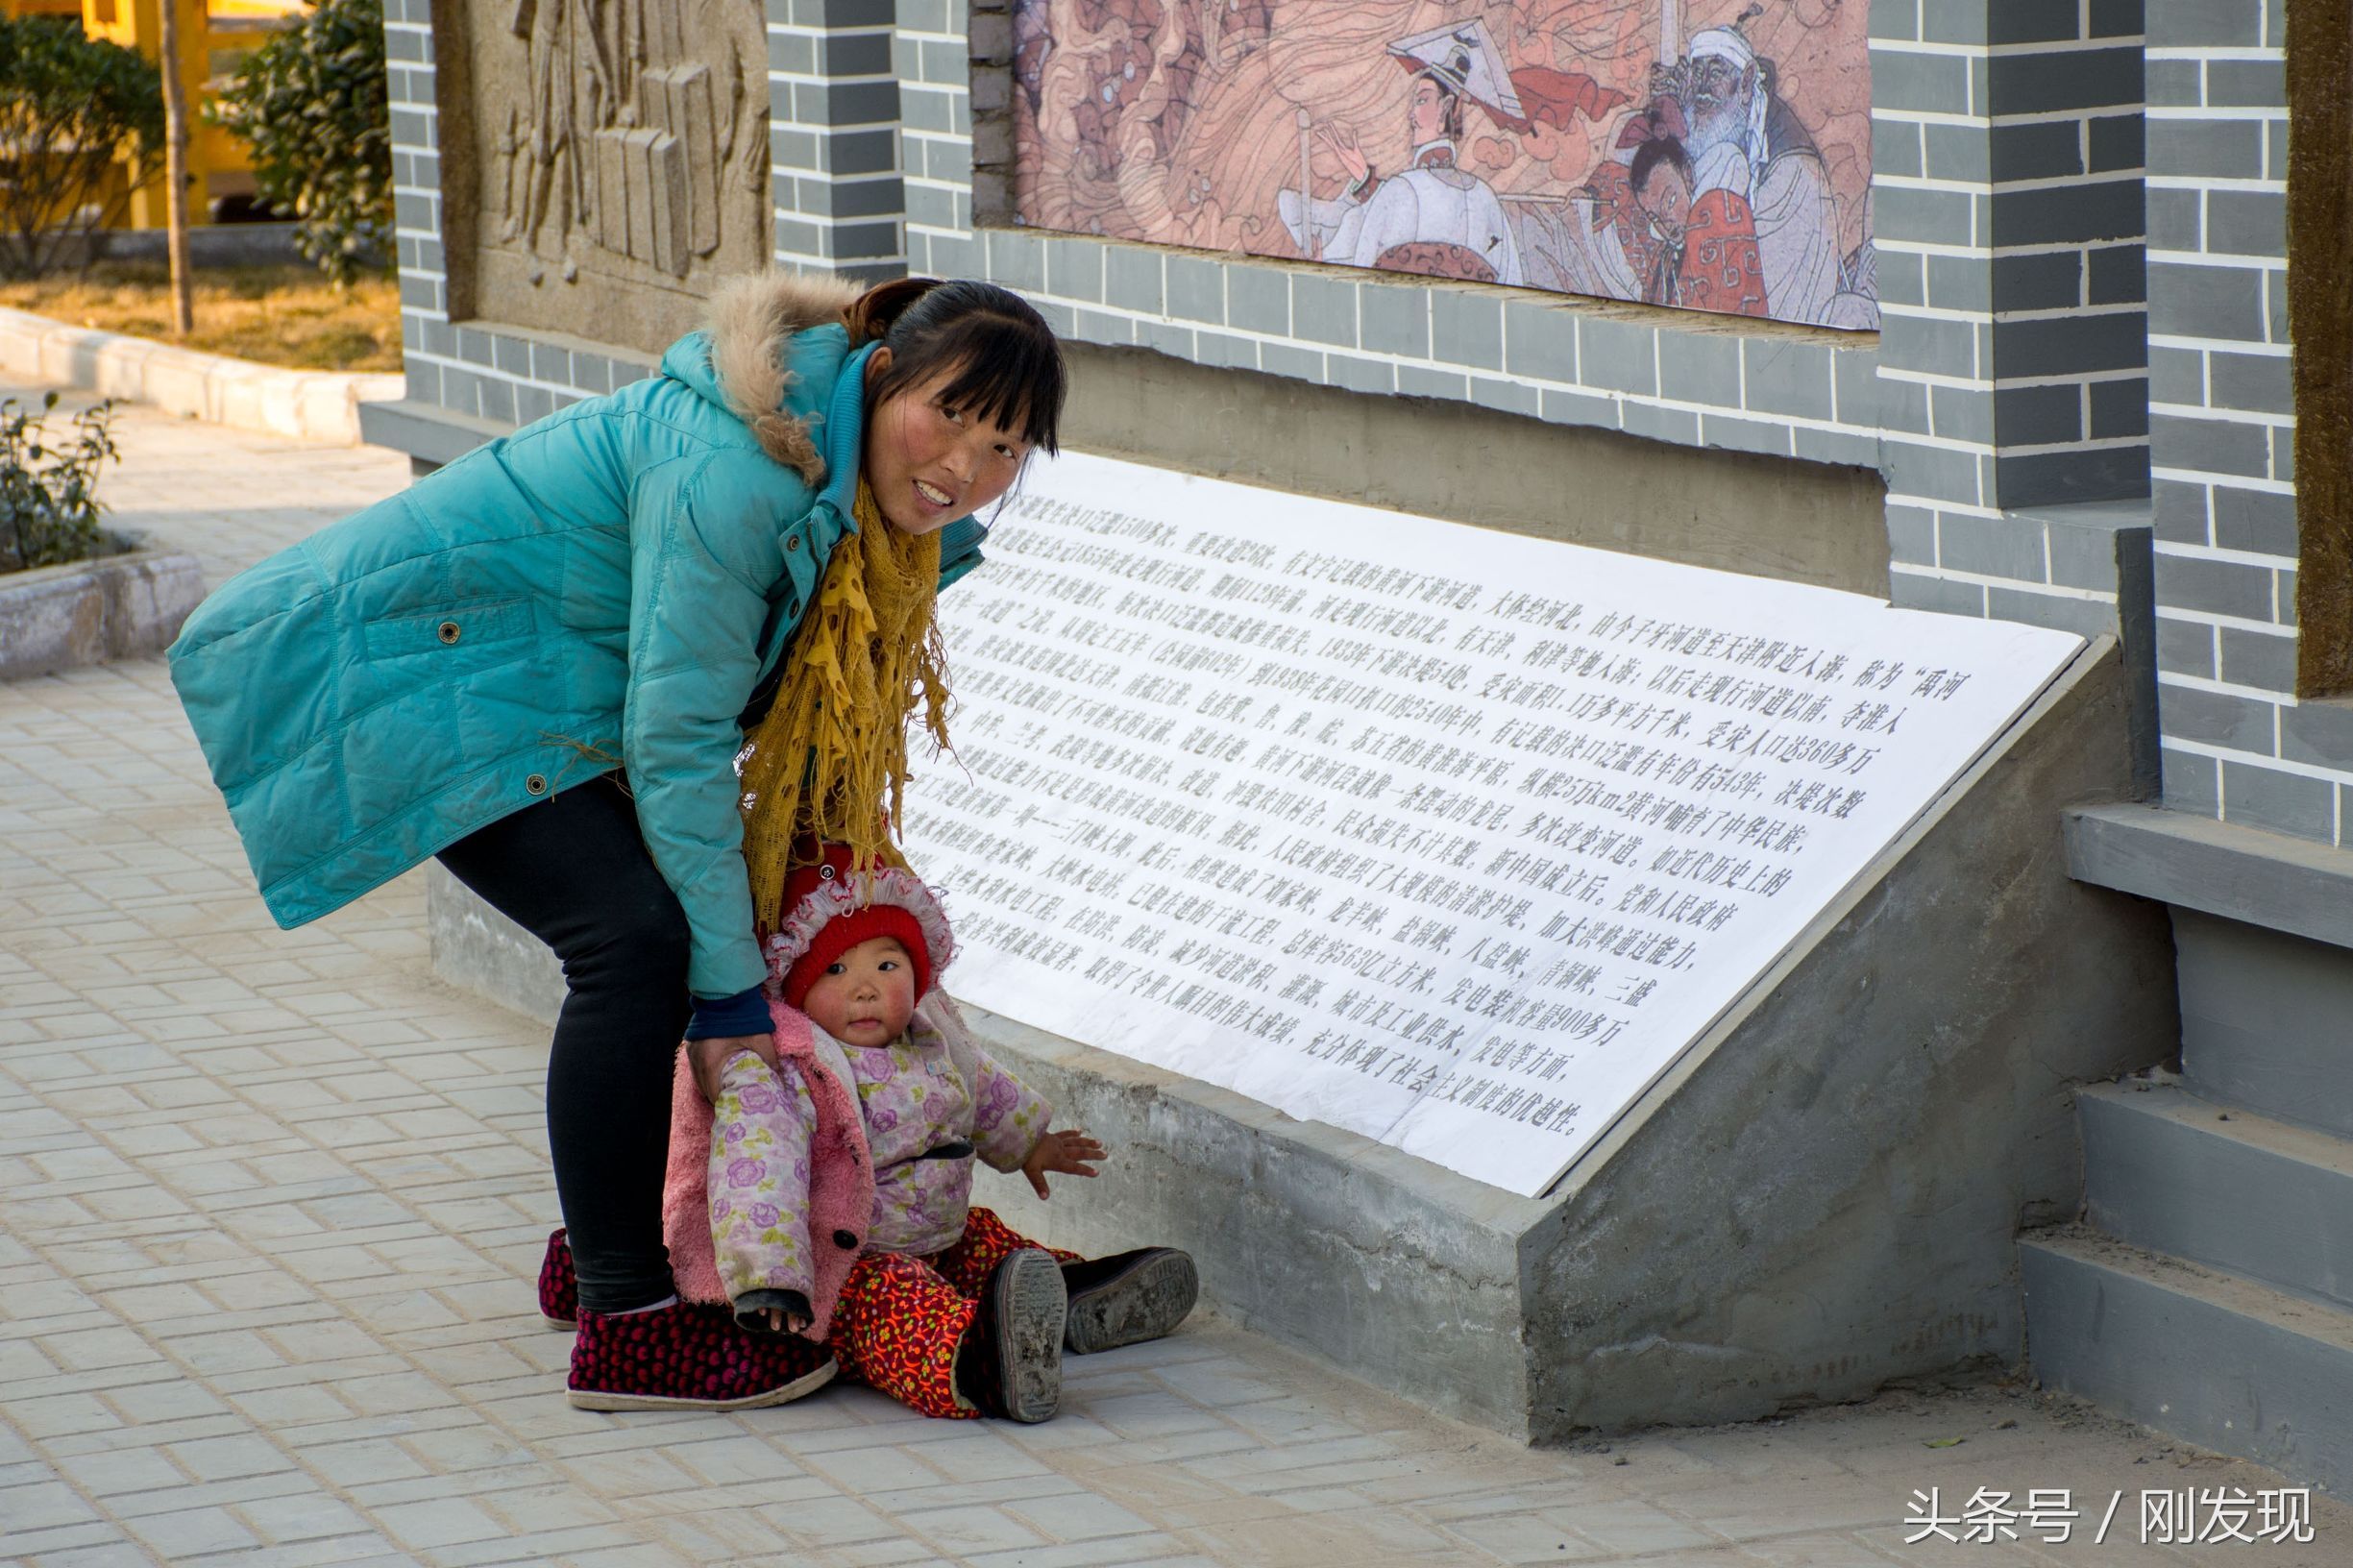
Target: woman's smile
<point x="972" y="460"/>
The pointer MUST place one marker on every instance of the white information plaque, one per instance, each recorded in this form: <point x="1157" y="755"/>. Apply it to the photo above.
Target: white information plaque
<point x="1448" y="837"/>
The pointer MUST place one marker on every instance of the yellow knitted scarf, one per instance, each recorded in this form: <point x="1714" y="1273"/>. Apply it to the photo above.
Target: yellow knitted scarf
<point x="830" y="757"/>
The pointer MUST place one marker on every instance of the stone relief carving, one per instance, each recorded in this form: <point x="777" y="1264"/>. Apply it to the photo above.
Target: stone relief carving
<point x="621" y="147"/>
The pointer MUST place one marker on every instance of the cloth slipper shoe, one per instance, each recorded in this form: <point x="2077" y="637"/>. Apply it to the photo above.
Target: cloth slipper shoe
<point x="1127" y="1299"/>
<point x="689" y="1357"/>
<point x="559" y="1289"/>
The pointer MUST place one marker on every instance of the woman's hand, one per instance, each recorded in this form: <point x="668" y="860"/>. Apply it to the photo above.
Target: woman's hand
<point x="708" y="1055"/>
<point x="1063" y="1152"/>
<point x="780" y="1321"/>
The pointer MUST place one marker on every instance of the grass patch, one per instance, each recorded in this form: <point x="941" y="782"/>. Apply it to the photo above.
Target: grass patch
<point x="277" y="315"/>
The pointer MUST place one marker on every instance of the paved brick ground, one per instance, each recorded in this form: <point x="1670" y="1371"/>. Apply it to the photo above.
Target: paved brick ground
<point x="272" y="1201"/>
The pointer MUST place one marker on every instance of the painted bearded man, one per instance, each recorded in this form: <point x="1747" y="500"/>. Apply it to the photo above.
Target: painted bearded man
<point x="1431" y="217"/>
<point x="1742" y="139"/>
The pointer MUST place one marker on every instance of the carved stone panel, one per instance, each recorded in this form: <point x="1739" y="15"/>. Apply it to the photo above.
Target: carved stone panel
<point x="604" y="161"/>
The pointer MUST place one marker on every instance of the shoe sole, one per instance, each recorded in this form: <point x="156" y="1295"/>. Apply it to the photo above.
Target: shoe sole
<point x="567" y="1324"/>
<point x="1032" y="1306"/>
<point x="807" y="1382"/>
<point x="1145" y="1303"/>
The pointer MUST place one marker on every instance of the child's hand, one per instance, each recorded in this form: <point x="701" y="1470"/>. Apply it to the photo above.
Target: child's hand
<point x="707" y="1056"/>
<point x="780" y="1321"/>
<point x="1063" y="1152"/>
<point x="772" y="1311"/>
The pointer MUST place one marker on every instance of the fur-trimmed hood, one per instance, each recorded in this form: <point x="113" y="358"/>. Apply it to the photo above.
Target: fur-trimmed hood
<point x="751" y="320"/>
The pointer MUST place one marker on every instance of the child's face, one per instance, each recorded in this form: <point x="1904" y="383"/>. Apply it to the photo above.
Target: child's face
<point x="866" y="997"/>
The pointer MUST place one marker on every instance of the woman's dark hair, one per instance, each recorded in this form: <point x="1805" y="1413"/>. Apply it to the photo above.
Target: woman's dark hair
<point x="1001" y="358"/>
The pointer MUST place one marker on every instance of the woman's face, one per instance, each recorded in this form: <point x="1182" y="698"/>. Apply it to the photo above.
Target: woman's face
<point x="930" y="464"/>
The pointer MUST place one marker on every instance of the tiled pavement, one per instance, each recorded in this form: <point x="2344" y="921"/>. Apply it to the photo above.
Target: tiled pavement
<point x="272" y="1201"/>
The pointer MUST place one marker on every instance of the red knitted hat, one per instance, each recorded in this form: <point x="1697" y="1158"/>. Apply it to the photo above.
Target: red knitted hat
<point x="831" y="909"/>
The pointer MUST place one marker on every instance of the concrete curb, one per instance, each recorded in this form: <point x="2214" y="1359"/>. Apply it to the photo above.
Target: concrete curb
<point x="56" y="617"/>
<point x="315" y="406"/>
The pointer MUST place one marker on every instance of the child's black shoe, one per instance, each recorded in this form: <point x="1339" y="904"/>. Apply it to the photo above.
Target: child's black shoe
<point x="1010" y="1363"/>
<point x="1127" y="1299"/>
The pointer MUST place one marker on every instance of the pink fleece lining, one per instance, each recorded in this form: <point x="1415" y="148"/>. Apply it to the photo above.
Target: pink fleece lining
<point x="840" y="1177"/>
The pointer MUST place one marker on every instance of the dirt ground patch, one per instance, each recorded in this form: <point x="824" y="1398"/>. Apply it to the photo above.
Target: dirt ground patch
<point x="277" y="315"/>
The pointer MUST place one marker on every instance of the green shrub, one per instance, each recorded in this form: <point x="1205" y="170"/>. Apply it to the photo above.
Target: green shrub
<point x="49" y="505"/>
<point x="311" y="102"/>
<point x="69" y="106"/>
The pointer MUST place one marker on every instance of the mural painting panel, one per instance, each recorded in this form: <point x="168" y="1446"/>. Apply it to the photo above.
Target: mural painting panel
<point x="616" y="156"/>
<point x="1712" y="155"/>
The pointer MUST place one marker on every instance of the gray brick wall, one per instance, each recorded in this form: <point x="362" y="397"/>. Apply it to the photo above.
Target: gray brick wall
<point x="2222" y="421"/>
<point x="835" y="106"/>
<point x="938" y="90"/>
<point x="416" y="162"/>
<point x="2012" y="232"/>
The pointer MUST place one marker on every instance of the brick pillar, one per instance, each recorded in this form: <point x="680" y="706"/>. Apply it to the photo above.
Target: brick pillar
<point x="833" y="132"/>
<point x="2237" y="744"/>
<point x="2009" y="213"/>
<point x="415" y="113"/>
<point x="947" y="110"/>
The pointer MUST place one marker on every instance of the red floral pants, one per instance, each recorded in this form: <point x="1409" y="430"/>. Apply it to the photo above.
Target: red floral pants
<point x="899" y="1319"/>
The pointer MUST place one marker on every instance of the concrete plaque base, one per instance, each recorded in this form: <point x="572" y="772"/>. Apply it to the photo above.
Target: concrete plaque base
<point x="1823" y="1196"/>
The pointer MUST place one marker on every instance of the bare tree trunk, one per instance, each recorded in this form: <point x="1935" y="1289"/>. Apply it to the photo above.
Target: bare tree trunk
<point x="176" y="168"/>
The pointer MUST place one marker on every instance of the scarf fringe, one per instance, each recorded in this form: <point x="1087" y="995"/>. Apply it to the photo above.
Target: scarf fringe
<point x="830" y="758"/>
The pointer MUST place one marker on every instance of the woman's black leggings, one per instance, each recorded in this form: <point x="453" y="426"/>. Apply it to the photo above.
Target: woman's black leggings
<point x="573" y="872"/>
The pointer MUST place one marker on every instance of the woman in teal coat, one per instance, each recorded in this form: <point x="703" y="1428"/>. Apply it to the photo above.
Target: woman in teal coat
<point x="459" y="671"/>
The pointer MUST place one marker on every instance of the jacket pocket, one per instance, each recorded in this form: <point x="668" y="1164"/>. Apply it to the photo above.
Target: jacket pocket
<point x="459" y="628"/>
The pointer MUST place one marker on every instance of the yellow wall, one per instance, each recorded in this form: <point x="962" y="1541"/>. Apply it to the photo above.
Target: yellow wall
<point x="210" y="44"/>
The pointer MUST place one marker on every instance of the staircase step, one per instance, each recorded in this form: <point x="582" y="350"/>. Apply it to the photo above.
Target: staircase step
<point x="2219" y="1361"/>
<point x="2218" y="1184"/>
<point x="2263" y="1019"/>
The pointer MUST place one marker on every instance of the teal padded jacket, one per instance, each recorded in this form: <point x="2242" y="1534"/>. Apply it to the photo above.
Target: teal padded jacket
<point x="604" y="587"/>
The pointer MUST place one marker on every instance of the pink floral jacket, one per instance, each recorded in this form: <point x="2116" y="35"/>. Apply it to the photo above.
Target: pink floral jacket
<point x="792" y="1174"/>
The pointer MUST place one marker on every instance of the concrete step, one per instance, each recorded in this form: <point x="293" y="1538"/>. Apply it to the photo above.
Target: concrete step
<point x="2220" y="1360"/>
<point x="2218" y="1185"/>
<point x="2263" y="1019"/>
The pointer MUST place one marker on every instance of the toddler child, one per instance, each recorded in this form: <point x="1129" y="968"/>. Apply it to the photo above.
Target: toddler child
<point x="831" y="1197"/>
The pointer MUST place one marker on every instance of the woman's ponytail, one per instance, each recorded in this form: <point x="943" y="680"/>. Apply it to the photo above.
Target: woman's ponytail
<point x="870" y="316"/>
